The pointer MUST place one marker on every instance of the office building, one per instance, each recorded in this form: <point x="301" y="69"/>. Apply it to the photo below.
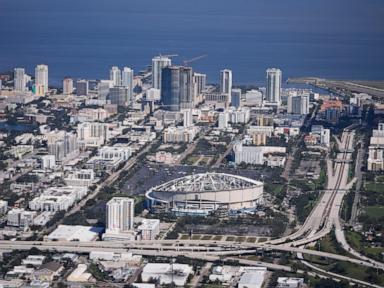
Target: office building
<point x="67" y="86"/>
<point x="115" y="76"/>
<point x="63" y="145"/>
<point x="119" y="95"/>
<point x="81" y="177"/>
<point x="236" y="98"/>
<point x="127" y="80"/>
<point x="226" y="83"/>
<point x="103" y="89"/>
<point x="82" y="88"/>
<point x="254" y="154"/>
<point x="273" y="91"/>
<point x="19" y="79"/>
<point x="166" y="273"/>
<point x="3" y="207"/>
<point x="92" y="134"/>
<point x="177" y="88"/>
<point x="41" y="79"/>
<point x="120" y="213"/>
<point x="298" y="104"/>
<point x="158" y="63"/>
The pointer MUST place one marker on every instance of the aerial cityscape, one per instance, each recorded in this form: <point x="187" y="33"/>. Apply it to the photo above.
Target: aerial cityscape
<point x="164" y="171"/>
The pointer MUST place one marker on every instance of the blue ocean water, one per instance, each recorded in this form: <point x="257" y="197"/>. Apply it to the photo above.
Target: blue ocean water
<point x="341" y="39"/>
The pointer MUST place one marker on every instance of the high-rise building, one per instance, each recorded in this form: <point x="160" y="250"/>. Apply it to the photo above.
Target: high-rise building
<point x="226" y="83"/>
<point x="298" y="104"/>
<point x="127" y="80"/>
<point x="273" y="92"/>
<point x="19" y="79"/>
<point x="41" y="79"/>
<point x="177" y="88"/>
<point x="158" y="63"/>
<point x="187" y="118"/>
<point x="120" y="213"/>
<point x="223" y="120"/>
<point x="103" y="89"/>
<point x="236" y="97"/>
<point x="82" y="88"/>
<point x="115" y="76"/>
<point x="200" y="82"/>
<point x="67" y="86"/>
<point x="119" y="95"/>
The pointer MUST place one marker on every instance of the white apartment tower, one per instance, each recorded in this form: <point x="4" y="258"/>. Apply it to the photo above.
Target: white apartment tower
<point x="115" y="76"/>
<point x="19" y="79"/>
<point x="226" y="83"/>
<point x="120" y="213"/>
<point x="41" y="79"/>
<point x="158" y="63"/>
<point x="274" y="78"/>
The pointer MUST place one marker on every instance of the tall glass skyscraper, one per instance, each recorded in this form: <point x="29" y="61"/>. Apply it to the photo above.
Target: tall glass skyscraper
<point x="158" y="63"/>
<point x="177" y="88"/>
<point x="273" y="92"/>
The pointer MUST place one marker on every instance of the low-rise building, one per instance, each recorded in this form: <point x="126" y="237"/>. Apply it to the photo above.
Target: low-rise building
<point x="289" y="282"/>
<point x="149" y="229"/>
<point x="179" y="134"/>
<point x="167" y="273"/>
<point x="75" y="233"/>
<point x="82" y="177"/>
<point x="18" y="217"/>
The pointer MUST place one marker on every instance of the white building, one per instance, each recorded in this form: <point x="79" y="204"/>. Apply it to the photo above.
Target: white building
<point x="75" y="233"/>
<point x="376" y="158"/>
<point x="166" y="273"/>
<point x="82" y="177"/>
<point x="115" y="76"/>
<point x="226" y="83"/>
<point x="253" y="278"/>
<point x="298" y="104"/>
<point x="63" y="145"/>
<point x="254" y="98"/>
<point x="127" y="80"/>
<point x="48" y="162"/>
<point x="179" y="134"/>
<point x="19" y="79"/>
<point x="56" y="199"/>
<point x="158" y="63"/>
<point x="273" y="92"/>
<point x="115" y="152"/>
<point x="241" y="115"/>
<point x="289" y="282"/>
<point x="3" y="207"/>
<point x="254" y="154"/>
<point x="41" y="79"/>
<point x="34" y="260"/>
<point x="92" y="134"/>
<point x="149" y="229"/>
<point x="187" y="118"/>
<point x="223" y="120"/>
<point x="18" y="217"/>
<point x="153" y="94"/>
<point x="120" y="213"/>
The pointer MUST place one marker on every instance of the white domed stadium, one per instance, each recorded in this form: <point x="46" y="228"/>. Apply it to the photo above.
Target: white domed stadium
<point x="208" y="191"/>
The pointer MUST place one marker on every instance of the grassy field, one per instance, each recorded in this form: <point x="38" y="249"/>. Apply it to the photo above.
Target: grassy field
<point x="230" y="238"/>
<point x="374" y="211"/>
<point x="376" y="187"/>
<point x="206" y="237"/>
<point x="356" y="241"/>
<point x="217" y="238"/>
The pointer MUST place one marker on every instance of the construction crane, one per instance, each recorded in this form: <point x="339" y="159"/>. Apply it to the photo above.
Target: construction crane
<point x="168" y="55"/>
<point x="186" y="62"/>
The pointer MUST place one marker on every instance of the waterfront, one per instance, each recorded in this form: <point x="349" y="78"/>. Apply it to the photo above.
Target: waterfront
<point x="84" y="39"/>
